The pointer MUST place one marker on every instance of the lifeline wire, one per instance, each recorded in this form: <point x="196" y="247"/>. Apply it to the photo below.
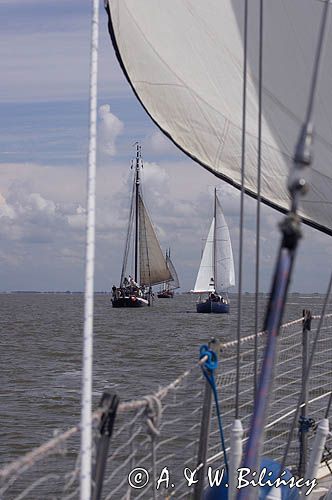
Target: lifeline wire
<point x="258" y="206"/>
<point x="239" y="307"/>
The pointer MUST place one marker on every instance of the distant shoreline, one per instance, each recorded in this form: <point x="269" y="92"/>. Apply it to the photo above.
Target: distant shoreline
<point x="69" y="292"/>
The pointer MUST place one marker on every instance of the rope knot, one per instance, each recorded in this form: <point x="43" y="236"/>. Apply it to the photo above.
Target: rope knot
<point x="212" y="362"/>
<point x="153" y="415"/>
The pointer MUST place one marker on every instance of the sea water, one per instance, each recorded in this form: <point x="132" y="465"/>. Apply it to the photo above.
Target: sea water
<point x="136" y="351"/>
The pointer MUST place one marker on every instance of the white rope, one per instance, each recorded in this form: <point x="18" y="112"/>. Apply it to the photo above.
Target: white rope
<point x="86" y="412"/>
<point x="233" y="343"/>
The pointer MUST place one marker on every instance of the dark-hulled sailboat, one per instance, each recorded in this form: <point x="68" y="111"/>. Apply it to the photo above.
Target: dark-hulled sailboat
<point x="150" y="267"/>
<point x="167" y="289"/>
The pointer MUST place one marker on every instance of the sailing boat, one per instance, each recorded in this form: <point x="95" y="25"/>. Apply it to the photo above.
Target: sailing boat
<point x="216" y="272"/>
<point x="150" y="267"/>
<point x="168" y="287"/>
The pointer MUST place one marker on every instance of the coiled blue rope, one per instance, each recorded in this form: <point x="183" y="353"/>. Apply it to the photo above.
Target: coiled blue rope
<point x="208" y="368"/>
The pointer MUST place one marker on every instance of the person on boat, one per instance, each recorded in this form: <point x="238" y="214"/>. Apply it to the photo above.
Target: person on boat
<point x="133" y="283"/>
<point x="125" y="282"/>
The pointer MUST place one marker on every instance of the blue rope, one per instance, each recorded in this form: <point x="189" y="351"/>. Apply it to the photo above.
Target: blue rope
<point x="208" y="368"/>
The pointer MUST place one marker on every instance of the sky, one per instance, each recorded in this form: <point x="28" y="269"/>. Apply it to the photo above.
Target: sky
<point x="44" y="90"/>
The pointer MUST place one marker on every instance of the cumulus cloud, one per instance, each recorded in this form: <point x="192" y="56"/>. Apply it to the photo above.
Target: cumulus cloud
<point x="30" y="217"/>
<point x="110" y="127"/>
<point x="42" y="224"/>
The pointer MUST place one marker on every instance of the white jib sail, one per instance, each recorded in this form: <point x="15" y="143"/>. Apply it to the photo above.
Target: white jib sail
<point x="224" y="263"/>
<point x="205" y="276"/>
<point x="153" y="268"/>
<point x="184" y="62"/>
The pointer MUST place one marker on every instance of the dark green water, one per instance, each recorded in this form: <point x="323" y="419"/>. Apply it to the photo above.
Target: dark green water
<point x="135" y="352"/>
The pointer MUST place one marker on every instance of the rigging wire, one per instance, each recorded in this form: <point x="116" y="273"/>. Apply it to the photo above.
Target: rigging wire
<point x="290" y="228"/>
<point x="303" y="150"/>
<point x="258" y="206"/>
<point x="317" y="65"/>
<point x="244" y="113"/>
<point x="306" y="378"/>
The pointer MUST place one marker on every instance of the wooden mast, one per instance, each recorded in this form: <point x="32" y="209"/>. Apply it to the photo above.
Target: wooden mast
<point x="137" y="184"/>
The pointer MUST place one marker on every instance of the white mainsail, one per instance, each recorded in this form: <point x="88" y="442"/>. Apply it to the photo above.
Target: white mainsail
<point x="152" y="263"/>
<point x="205" y="276"/>
<point x="224" y="263"/>
<point x="184" y="62"/>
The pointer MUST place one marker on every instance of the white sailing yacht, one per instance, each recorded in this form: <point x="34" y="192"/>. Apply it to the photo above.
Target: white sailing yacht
<point x="150" y="267"/>
<point x="216" y="272"/>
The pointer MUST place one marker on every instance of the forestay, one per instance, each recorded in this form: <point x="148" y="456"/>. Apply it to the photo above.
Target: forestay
<point x="153" y="268"/>
<point x="184" y="59"/>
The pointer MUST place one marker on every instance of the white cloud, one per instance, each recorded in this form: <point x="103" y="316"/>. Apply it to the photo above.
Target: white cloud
<point x="43" y="224"/>
<point x="110" y="127"/>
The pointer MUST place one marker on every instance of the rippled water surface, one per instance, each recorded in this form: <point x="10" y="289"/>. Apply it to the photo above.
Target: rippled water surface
<point x="135" y="352"/>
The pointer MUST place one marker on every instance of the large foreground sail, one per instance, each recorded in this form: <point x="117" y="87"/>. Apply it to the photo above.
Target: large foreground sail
<point x="183" y="60"/>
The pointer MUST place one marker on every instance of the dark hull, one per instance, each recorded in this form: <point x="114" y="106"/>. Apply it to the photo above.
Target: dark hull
<point x="128" y="302"/>
<point x="209" y="306"/>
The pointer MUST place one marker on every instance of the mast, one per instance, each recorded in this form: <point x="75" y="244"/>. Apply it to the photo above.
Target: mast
<point x="214" y="240"/>
<point x="137" y="189"/>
